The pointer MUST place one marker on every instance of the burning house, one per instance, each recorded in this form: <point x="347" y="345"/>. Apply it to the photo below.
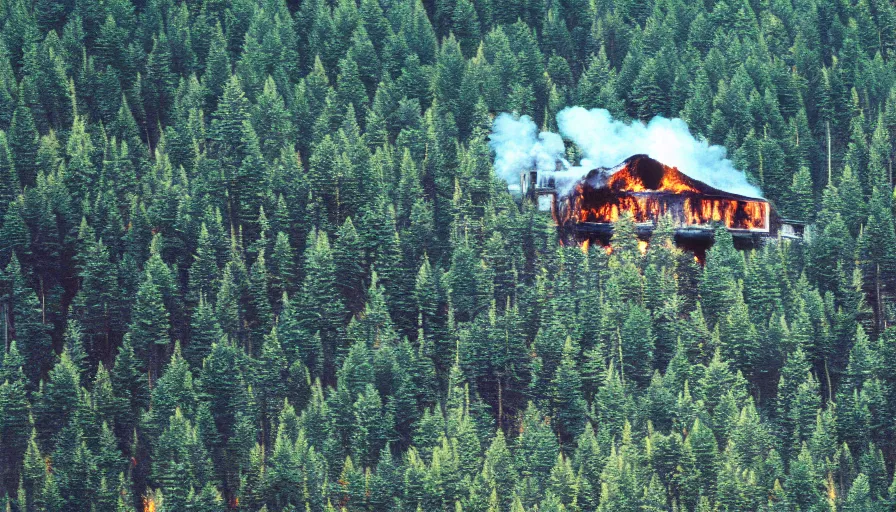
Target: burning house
<point x="586" y="210"/>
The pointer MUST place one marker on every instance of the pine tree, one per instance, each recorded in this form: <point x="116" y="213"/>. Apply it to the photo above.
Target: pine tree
<point x="28" y="326"/>
<point x="859" y="498"/>
<point x="204" y="272"/>
<point x="282" y="266"/>
<point x="130" y="384"/>
<point x="298" y="344"/>
<point x="702" y="444"/>
<point x="24" y="143"/>
<point x="59" y="398"/>
<point x="272" y="379"/>
<point x="205" y="331"/>
<point x="217" y="68"/>
<point x="801" y="196"/>
<point x="802" y="485"/>
<point x="227" y="399"/>
<point x="738" y="337"/>
<point x="463" y="285"/>
<point x="350" y="91"/>
<point x="227" y="127"/>
<point x="10" y="187"/>
<point x="373" y="426"/>
<point x="180" y="462"/>
<point x="16" y="239"/>
<point x="648" y="90"/>
<point x="228" y="306"/>
<point x="536" y="448"/>
<point x="150" y="324"/>
<point x="636" y="346"/>
<point x="373" y="326"/>
<point x="850" y="191"/>
<point x="718" y="380"/>
<point x="172" y="391"/>
<point x="698" y="107"/>
<point x="348" y="258"/>
<point x="466" y="26"/>
<point x="97" y="299"/>
<point x="718" y="284"/>
<point x="568" y="404"/>
<point x="877" y="259"/>
<point x="271" y="121"/>
<point x="260" y="318"/>
<point x="16" y="422"/>
<point x="322" y="307"/>
<point x="499" y="469"/>
<point x="159" y="84"/>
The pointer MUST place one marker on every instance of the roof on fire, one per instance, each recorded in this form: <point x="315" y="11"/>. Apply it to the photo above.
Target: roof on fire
<point x="642" y="174"/>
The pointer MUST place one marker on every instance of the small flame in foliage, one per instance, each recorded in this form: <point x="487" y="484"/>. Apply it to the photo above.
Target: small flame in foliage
<point x="642" y="246"/>
<point x="832" y="492"/>
<point x="149" y="504"/>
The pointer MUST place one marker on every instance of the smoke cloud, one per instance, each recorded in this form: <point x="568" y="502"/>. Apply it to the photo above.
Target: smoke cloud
<point x="606" y="142"/>
<point x="519" y="147"/>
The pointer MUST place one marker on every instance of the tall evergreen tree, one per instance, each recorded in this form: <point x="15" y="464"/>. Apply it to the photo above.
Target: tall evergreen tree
<point x="27" y="323"/>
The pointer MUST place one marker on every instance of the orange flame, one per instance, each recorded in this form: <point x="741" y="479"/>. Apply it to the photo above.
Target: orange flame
<point x="625" y="180"/>
<point x="733" y="213"/>
<point x="149" y="504"/>
<point x="654" y="190"/>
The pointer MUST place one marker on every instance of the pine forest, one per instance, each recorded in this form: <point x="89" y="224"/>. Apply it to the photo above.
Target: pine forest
<point x="255" y="255"/>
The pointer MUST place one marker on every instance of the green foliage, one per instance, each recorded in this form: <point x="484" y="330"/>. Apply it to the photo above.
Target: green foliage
<point x="300" y="195"/>
<point x="27" y="319"/>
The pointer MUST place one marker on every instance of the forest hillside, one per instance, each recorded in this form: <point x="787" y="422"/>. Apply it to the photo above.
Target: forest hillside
<point x="255" y="256"/>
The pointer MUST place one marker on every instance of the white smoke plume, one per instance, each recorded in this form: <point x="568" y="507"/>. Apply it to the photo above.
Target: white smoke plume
<point x="606" y="142"/>
<point x="519" y="147"/>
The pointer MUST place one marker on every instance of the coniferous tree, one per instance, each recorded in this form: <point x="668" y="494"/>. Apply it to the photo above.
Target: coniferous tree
<point x="567" y="393"/>
<point x="28" y="327"/>
<point x="323" y="309"/>
<point x="801" y="195"/>
<point x="180" y="461"/>
<point x="16" y="414"/>
<point x="24" y="143"/>
<point x="60" y="398"/>
<point x="636" y="346"/>
<point x="875" y="246"/>
<point x="150" y="324"/>
<point x="260" y="317"/>
<point x="10" y="188"/>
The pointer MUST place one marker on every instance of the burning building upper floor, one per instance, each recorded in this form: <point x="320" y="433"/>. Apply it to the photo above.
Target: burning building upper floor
<point x="587" y="208"/>
<point x="664" y="171"/>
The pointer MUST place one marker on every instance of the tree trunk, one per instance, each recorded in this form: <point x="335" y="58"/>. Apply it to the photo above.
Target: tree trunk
<point x="828" y="131"/>
<point x="880" y="305"/>
<point x="500" y="402"/>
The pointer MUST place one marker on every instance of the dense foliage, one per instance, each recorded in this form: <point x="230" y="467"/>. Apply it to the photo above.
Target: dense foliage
<point x="255" y="257"/>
